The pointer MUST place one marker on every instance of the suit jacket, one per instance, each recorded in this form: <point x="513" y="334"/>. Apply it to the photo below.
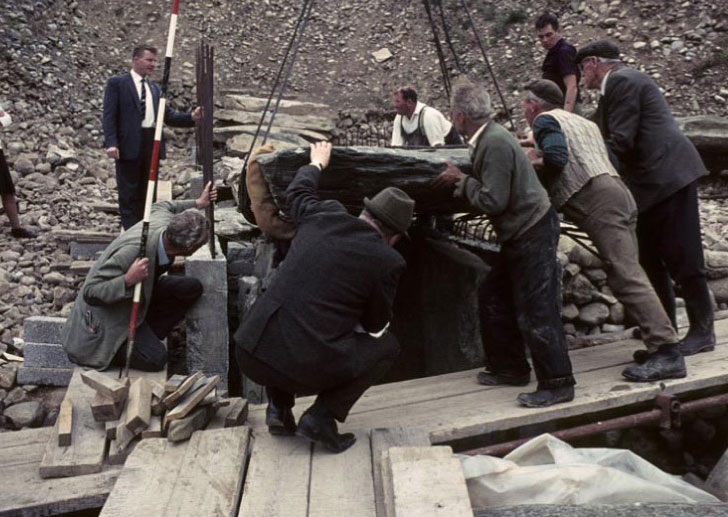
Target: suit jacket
<point x="123" y="116"/>
<point x="338" y="273"/>
<point x="655" y="158"/>
<point x="99" y="322"/>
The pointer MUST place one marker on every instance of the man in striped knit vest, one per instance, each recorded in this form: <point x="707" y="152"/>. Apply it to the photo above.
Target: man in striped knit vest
<point x="582" y="183"/>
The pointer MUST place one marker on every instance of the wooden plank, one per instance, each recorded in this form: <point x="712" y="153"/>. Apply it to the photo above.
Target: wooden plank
<point x="118" y="455"/>
<point x="139" y="406"/>
<point x="155" y="428"/>
<point x="157" y="396"/>
<point x="186" y="385"/>
<point x="195" y="478"/>
<point x="86" y="454"/>
<point x="355" y="495"/>
<point x="83" y="235"/>
<point x="106" y="385"/>
<point x="174" y="382"/>
<point x="382" y="440"/>
<point x="164" y="190"/>
<point x="104" y="409"/>
<point x="276" y="484"/>
<point x="453" y="406"/>
<point x="191" y="400"/>
<point x="238" y="413"/>
<point x="25" y="493"/>
<point x="183" y="428"/>
<point x="427" y="482"/>
<point x="65" y="422"/>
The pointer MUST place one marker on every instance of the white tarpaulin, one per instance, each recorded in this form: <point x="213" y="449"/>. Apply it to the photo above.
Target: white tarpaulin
<point x="546" y="470"/>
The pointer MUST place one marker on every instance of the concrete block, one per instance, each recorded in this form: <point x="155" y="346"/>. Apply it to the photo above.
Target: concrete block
<point x="46" y="355"/>
<point x="240" y="258"/>
<point x="86" y="250"/>
<point x="44" y="376"/>
<point x="208" y="336"/>
<point x="43" y="329"/>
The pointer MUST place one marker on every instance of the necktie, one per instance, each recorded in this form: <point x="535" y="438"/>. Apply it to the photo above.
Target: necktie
<point x="143" y="96"/>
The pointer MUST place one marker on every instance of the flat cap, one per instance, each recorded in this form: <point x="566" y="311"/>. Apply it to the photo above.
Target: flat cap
<point x="548" y="91"/>
<point x="601" y="48"/>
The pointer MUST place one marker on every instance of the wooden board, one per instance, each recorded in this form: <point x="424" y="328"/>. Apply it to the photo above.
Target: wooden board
<point x="382" y="440"/>
<point x="353" y="494"/>
<point x="86" y="454"/>
<point x="276" y="484"/>
<point x="186" y="385"/>
<point x="106" y="385"/>
<point x="65" y="422"/>
<point x="196" y="478"/>
<point x="24" y="492"/>
<point x="105" y="409"/>
<point x="426" y="482"/>
<point x="155" y="428"/>
<point x="139" y="406"/>
<point x="454" y="406"/>
<point x="192" y="399"/>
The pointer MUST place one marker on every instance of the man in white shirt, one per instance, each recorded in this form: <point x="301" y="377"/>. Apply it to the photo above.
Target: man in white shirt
<point x="130" y="107"/>
<point x="419" y="125"/>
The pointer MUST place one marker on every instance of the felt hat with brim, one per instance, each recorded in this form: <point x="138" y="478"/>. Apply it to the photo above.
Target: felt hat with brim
<point x="601" y="48"/>
<point x="548" y="91"/>
<point x="393" y="207"/>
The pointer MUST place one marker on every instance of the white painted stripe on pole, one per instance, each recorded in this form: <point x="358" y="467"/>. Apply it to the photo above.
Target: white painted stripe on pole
<point x="137" y="293"/>
<point x="150" y="197"/>
<point x="170" y="36"/>
<point x="160" y="119"/>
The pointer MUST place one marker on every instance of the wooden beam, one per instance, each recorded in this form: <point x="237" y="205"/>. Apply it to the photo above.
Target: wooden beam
<point x="171" y="400"/>
<point x="106" y="385"/>
<point x="83" y="235"/>
<point x="174" y="382"/>
<point x="155" y="428"/>
<point x="65" y="423"/>
<point x="157" y="396"/>
<point x="191" y="400"/>
<point x="238" y="413"/>
<point x="139" y="406"/>
<point x="183" y="428"/>
<point x="104" y="409"/>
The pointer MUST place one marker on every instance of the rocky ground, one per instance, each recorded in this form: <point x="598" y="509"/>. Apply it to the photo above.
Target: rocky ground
<point x="59" y="53"/>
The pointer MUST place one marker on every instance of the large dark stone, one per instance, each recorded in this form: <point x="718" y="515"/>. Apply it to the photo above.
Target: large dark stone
<point x="709" y="134"/>
<point x="357" y="172"/>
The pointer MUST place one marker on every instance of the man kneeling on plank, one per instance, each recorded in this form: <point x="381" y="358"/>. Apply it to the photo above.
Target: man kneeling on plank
<point x="320" y="327"/>
<point x="96" y="332"/>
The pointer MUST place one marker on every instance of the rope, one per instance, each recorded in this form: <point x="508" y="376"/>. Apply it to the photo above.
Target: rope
<point x="243" y="200"/>
<point x="440" y="54"/>
<point x="446" y="29"/>
<point x="487" y="64"/>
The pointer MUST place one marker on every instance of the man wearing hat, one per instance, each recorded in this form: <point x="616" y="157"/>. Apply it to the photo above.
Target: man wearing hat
<point x="661" y="167"/>
<point x="519" y="300"/>
<point x="574" y="167"/>
<point x="321" y="326"/>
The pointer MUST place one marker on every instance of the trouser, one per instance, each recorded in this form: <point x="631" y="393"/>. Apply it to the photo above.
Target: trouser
<point x="132" y="177"/>
<point x="605" y="209"/>
<point x="519" y="304"/>
<point x="172" y="297"/>
<point x="282" y="389"/>
<point x="670" y="249"/>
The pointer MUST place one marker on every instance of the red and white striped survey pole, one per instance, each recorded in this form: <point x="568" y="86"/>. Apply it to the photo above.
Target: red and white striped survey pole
<point x="151" y="185"/>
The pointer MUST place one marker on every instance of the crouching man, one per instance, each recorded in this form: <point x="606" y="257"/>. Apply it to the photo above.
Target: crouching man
<point x="96" y="332"/>
<point x="320" y="327"/>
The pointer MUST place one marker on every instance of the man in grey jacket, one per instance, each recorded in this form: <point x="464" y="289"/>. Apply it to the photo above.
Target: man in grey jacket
<point x="96" y="332"/>
<point x="661" y="167"/>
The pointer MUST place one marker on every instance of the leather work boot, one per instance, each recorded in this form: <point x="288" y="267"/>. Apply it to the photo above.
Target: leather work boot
<point x="666" y="363"/>
<point x="640" y="356"/>
<point x="545" y="398"/>
<point x="488" y="378"/>
<point x="322" y="429"/>
<point x="280" y="420"/>
<point x="698" y="305"/>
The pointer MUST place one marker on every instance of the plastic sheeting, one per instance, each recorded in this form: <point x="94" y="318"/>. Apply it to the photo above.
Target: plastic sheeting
<point x="546" y="470"/>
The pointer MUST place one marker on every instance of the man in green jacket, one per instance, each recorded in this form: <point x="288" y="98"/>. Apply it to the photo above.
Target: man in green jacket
<point x="96" y="332"/>
<point x="519" y="300"/>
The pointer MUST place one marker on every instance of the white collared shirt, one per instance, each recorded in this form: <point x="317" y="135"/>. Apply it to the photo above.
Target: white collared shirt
<point x="148" y="120"/>
<point x="474" y="139"/>
<point x="435" y="126"/>
<point x="603" y="89"/>
<point x="5" y="120"/>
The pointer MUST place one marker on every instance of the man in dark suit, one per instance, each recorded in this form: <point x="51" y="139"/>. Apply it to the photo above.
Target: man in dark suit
<point x="130" y="108"/>
<point x="320" y="327"/>
<point x="661" y="167"/>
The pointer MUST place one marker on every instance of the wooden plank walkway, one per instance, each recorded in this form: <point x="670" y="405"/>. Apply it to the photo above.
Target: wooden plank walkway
<point x="24" y="492"/>
<point x="455" y="406"/>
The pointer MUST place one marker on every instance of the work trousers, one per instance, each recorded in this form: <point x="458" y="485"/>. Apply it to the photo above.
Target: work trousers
<point x="339" y="398"/>
<point x="605" y="209"/>
<point x="671" y="249"/>
<point x="132" y="177"/>
<point x="520" y="303"/>
<point x="172" y="297"/>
